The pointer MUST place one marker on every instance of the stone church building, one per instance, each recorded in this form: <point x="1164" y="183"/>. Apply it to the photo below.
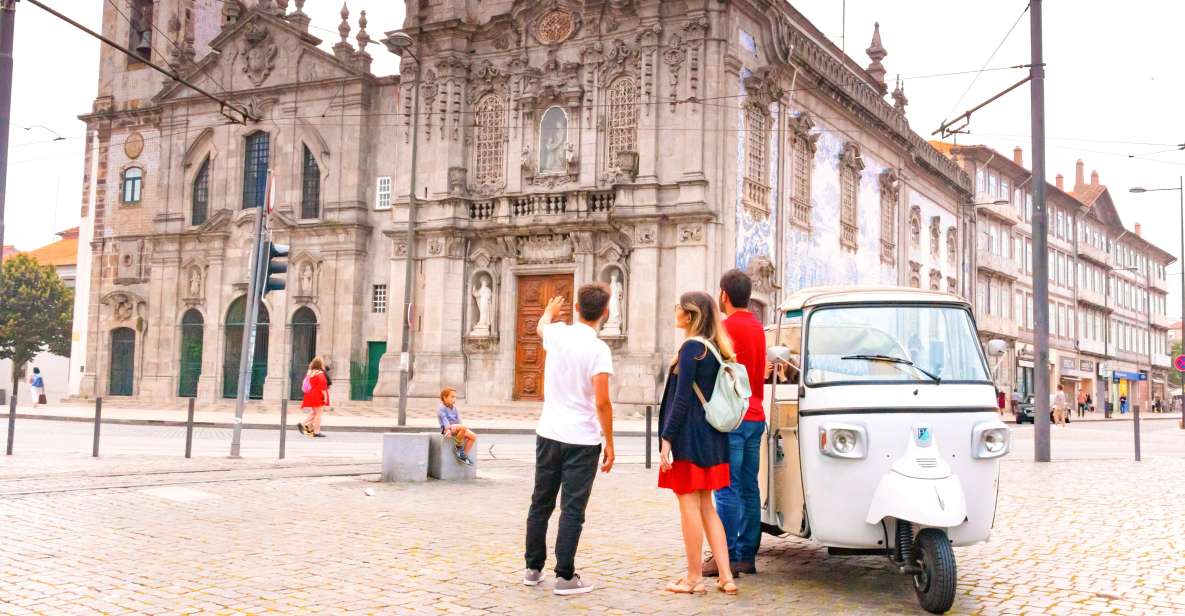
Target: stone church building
<point x="647" y="144"/>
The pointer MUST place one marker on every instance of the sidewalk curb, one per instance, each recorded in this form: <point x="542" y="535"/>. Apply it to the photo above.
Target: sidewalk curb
<point x="271" y="426"/>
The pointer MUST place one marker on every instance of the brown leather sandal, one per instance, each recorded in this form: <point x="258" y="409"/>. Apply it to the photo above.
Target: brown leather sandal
<point x="684" y="587"/>
<point x="728" y="588"/>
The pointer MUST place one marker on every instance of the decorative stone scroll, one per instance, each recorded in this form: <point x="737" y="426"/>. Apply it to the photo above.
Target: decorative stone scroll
<point x="541" y="249"/>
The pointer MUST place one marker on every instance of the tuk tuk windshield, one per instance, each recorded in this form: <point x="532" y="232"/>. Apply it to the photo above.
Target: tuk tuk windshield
<point x="893" y="343"/>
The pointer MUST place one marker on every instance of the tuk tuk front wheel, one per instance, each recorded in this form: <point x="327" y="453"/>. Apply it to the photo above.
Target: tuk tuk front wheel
<point x="934" y="583"/>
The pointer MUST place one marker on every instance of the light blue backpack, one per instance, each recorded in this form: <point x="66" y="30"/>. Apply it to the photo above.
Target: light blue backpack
<point x="730" y="398"/>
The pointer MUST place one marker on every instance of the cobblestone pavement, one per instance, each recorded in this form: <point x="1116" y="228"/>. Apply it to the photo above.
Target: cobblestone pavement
<point x="150" y="536"/>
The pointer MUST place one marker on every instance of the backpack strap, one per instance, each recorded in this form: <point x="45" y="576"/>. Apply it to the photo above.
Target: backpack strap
<point x="711" y="347"/>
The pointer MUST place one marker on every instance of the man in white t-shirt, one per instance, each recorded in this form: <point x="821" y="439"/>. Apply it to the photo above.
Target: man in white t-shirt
<point x="577" y="419"/>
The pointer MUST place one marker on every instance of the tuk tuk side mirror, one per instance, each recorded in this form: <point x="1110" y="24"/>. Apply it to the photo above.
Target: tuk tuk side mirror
<point x="997" y="347"/>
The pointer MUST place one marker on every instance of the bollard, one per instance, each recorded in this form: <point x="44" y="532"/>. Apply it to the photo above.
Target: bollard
<point x="283" y="425"/>
<point x="189" y="431"/>
<point x="11" y="420"/>
<point x="649" y="412"/>
<point x="1136" y="429"/>
<point x="98" y="422"/>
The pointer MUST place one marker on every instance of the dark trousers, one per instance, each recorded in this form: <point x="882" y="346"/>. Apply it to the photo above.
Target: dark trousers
<point x="557" y="465"/>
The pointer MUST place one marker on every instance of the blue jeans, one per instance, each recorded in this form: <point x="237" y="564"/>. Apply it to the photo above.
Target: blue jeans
<point x="739" y="505"/>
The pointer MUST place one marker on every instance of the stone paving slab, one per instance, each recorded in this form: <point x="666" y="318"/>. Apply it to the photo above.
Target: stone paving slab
<point x="1087" y="537"/>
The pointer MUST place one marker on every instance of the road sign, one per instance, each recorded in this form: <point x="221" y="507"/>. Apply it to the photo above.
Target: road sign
<point x="1179" y="362"/>
<point x="1128" y="376"/>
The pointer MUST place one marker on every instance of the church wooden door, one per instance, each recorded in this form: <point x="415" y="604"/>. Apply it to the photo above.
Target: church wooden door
<point x="533" y="295"/>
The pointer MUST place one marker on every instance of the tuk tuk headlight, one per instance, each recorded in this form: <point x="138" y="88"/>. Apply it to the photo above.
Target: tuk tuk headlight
<point x="990" y="440"/>
<point x="843" y="441"/>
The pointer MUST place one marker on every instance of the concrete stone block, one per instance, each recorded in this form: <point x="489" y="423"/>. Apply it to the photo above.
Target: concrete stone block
<point x="405" y="457"/>
<point x="442" y="464"/>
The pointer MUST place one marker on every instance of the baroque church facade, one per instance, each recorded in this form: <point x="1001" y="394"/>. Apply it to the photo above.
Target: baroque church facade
<point x="647" y="144"/>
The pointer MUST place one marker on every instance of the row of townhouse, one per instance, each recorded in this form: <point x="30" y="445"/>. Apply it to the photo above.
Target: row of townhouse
<point x="1108" y="325"/>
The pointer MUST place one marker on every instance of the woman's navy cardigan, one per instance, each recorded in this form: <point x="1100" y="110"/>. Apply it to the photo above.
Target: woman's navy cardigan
<point x="681" y="416"/>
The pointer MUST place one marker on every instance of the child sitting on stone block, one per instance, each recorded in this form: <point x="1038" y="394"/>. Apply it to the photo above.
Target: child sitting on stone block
<point x="450" y="425"/>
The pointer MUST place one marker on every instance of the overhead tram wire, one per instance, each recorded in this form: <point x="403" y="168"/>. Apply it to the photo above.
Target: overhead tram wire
<point x="981" y="71"/>
<point x="223" y="103"/>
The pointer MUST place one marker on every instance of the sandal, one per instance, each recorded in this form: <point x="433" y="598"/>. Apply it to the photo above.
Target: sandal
<point x="684" y="587"/>
<point x="728" y="588"/>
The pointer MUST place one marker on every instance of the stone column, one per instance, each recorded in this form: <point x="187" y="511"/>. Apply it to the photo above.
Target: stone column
<point x="388" y="379"/>
<point x="438" y="327"/>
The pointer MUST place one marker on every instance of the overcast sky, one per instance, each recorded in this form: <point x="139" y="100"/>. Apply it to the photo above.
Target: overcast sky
<point x="1113" y="90"/>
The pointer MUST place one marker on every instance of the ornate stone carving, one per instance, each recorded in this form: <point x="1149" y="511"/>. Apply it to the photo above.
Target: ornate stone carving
<point x="673" y="56"/>
<point x="400" y="249"/>
<point x="133" y="145"/>
<point x="555" y="248"/>
<point x="556" y="25"/>
<point x="259" y="51"/>
<point x="935" y="234"/>
<point x="582" y="243"/>
<point x="762" y="88"/>
<point x="764" y="274"/>
<point x="456" y="180"/>
<point x="436" y="246"/>
<point x="645" y="235"/>
<point x="123" y="308"/>
<point x="691" y="233"/>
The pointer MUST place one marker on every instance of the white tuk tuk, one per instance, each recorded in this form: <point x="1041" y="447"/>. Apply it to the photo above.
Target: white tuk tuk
<point x="884" y="435"/>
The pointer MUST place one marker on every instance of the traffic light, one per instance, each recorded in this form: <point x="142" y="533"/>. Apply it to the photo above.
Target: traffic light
<point x="277" y="255"/>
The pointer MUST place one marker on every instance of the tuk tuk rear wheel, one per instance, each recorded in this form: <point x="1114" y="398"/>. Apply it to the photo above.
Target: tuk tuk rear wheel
<point x="935" y="582"/>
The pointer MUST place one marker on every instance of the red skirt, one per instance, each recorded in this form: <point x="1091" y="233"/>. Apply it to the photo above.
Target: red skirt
<point x="686" y="477"/>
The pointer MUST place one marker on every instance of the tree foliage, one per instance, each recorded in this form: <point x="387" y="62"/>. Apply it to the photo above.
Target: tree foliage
<point x="36" y="310"/>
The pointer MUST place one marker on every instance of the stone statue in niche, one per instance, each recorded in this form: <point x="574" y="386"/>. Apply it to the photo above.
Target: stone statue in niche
<point x="612" y="325"/>
<point x="195" y="283"/>
<point x="484" y="297"/>
<point x="553" y="139"/>
<point x="123" y="308"/>
<point x="306" y="280"/>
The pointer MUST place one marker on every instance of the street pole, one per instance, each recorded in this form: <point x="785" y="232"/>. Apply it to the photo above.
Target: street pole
<point x="1040" y="242"/>
<point x="7" y="22"/>
<point x="247" y="350"/>
<point x="1181" y="193"/>
<point x="405" y="356"/>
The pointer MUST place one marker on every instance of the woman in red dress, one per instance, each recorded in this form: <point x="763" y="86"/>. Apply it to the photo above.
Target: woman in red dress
<point x="694" y="455"/>
<point x="316" y="397"/>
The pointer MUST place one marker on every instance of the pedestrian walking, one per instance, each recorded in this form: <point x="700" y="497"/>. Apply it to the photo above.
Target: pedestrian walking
<point x="577" y="421"/>
<point x="694" y="455"/>
<point x="1016" y="400"/>
<point x="1082" y="403"/>
<point x="38" y="386"/>
<point x="1060" y="405"/>
<point x="316" y="398"/>
<point x="739" y="503"/>
<point x="450" y="426"/>
<point x="1089" y="403"/>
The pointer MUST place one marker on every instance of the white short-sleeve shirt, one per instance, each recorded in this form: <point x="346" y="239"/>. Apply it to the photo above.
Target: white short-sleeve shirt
<point x="574" y="356"/>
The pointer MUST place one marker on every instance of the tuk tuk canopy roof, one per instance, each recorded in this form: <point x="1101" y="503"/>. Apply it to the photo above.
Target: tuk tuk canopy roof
<point x="818" y="296"/>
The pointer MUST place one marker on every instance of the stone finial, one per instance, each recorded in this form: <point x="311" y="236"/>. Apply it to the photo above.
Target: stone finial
<point x="876" y="52"/>
<point x="298" y="18"/>
<point x="283" y="6"/>
<point x="899" y="100"/>
<point x="363" y="38"/>
<point x="343" y="50"/>
<point x="344" y="28"/>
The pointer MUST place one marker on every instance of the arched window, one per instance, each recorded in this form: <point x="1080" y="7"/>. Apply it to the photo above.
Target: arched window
<point x="310" y="187"/>
<point x="201" y="194"/>
<point x="132" y="185"/>
<point x="490" y="140"/>
<point x="255" y="164"/>
<point x="235" y="316"/>
<point x="850" y="166"/>
<point x="192" y="327"/>
<point x="623" y="117"/>
<point x="304" y="348"/>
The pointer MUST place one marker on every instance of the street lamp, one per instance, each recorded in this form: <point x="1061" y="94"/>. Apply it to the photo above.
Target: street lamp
<point x="1107" y="325"/>
<point x="1181" y="191"/>
<point x="400" y="43"/>
<point x="996" y="202"/>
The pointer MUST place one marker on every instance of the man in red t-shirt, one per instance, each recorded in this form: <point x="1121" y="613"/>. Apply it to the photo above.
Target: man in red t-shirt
<point x="739" y="505"/>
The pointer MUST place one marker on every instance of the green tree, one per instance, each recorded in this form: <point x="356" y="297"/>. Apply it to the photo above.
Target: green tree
<point x="35" y="313"/>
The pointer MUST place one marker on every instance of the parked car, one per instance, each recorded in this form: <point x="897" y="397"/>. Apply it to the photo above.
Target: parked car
<point x="1024" y="412"/>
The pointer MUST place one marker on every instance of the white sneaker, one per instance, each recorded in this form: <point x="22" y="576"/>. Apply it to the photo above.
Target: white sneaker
<point x="532" y="577"/>
<point x="574" y="586"/>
